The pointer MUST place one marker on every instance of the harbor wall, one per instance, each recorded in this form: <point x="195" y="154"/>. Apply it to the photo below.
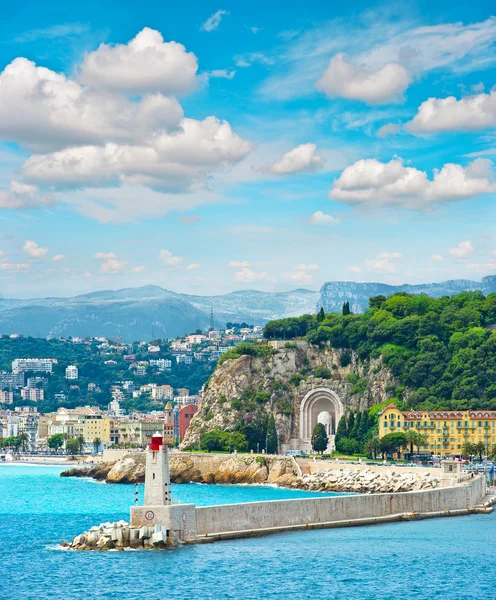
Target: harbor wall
<point x="251" y="517"/>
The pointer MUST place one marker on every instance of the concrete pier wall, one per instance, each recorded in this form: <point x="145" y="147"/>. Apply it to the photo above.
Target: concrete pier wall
<point x="289" y="513"/>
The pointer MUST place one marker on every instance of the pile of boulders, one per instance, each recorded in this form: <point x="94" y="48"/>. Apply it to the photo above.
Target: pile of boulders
<point x="367" y="481"/>
<point x="121" y="536"/>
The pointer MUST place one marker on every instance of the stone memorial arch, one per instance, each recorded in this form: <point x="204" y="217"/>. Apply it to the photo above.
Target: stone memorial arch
<point x="320" y="405"/>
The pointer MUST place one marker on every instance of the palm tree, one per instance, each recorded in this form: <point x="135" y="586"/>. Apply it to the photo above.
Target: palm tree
<point x="420" y="441"/>
<point x="23" y="440"/>
<point x="492" y="453"/>
<point x="411" y="438"/>
<point x="97" y="442"/>
<point x="80" y="440"/>
<point x="373" y="447"/>
<point x="480" y="449"/>
<point x="468" y="450"/>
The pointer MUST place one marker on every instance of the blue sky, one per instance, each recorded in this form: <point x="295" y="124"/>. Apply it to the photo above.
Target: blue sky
<point x="212" y="147"/>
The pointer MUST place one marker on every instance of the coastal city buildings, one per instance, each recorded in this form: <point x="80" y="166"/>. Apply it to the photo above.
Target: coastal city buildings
<point x="446" y="431"/>
<point x="20" y="365"/>
<point x="71" y="372"/>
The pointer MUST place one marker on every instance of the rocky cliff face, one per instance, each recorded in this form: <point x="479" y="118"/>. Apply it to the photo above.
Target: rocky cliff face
<point x="276" y="385"/>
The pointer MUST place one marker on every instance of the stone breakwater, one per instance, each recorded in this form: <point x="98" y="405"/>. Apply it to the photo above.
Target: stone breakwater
<point x="231" y="469"/>
<point x="120" y="536"/>
<point x="363" y="482"/>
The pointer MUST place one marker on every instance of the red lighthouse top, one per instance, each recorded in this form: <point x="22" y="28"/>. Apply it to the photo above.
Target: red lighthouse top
<point x="156" y="441"/>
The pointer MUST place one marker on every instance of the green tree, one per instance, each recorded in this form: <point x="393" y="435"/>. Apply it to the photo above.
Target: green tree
<point x="342" y="430"/>
<point x="271" y="436"/>
<point x="72" y="446"/>
<point x="319" y="438"/>
<point x="212" y="441"/>
<point x="393" y="442"/>
<point x="97" y="442"/>
<point x="56" y="441"/>
<point x="373" y="447"/>
<point x="321" y="315"/>
<point x="24" y="440"/>
<point x="411" y="437"/>
<point x="468" y="450"/>
<point x="480" y="449"/>
<point x="80" y="441"/>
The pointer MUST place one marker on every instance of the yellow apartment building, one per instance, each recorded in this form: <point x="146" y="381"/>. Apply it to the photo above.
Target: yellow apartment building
<point x="446" y="430"/>
<point x="93" y="426"/>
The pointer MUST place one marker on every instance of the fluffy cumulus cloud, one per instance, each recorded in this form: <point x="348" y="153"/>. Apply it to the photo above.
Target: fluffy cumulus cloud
<point x="177" y="162"/>
<point x="370" y="182"/>
<point x="238" y="264"/>
<point x="43" y="110"/>
<point x="168" y="259"/>
<point x="321" y="218"/>
<point x="309" y="267"/>
<point x="33" y="251"/>
<point x="354" y="269"/>
<point x="22" y="195"/>
<point x="388" y="129"/>
<point x="222" y="73"/>
<point x="437" y="257"/>
<point x="385" y="262"/>
<point x="146" y="64"/>
<point x="343" y="79"/>
<point x="470" y="113"/>
<point x="110" y="264"/>
<point x="58" y="257"/>
<point x="299" y="159"/>
<point x="15" y="267"/>
<point x="302" y="275"/>
<point x="246" y="275"/>
<point x="463" y="251"/>
<point x="193" y="267"/>
<point x="213" y="22"/>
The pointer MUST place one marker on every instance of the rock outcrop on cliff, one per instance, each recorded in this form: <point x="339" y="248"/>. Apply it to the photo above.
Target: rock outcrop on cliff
<point x="242" y="389"/>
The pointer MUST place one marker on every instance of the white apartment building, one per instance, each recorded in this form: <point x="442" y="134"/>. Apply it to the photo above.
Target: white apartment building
<point x="71" y="372"/>
<point x="162" y="392"/>
<point x="196" y="338"/>
<point x="19" y="365"/>
<point x="162" y="364"/>
<point x="185" y="359"/>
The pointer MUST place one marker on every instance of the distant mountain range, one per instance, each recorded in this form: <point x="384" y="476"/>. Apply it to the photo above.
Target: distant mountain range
<point x="140" y="313"/>
<point x="334" y="293"/>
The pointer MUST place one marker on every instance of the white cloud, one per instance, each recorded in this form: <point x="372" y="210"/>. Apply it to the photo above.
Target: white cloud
<point x="320" y="218"/>
<point x="383" y="262"/>
<point x="462" y="251"/>
<point x="299" y="159"/>
<point x="370" y="182"/>
<point x="43" y="110"/>
<point x="310" y="267"/>
<point x="58" y="257"/>
<point x="449" y="114"/>
<point x="389" y="129"/>
<point x="489" y="267"/>
<point x="373" y="39"/>
<point x="137" y="269"/>
<point x="246" y="275"/>
<point x="250" y="58"/>
<point x="19" y="267"/>
<point x="104" y="255"/>
<point x="238" y="264"/>
<point x="21" y="195"/>
<point x="298" y="277"/>
<point x="145" y="64"/>
<point x="86" y="274"/>
<point x="437" y="257"/>
<point x="33" y="251"/>
<point x="168" y="259"/>
<point x="222" y="73"/>
<point x="354" y="269"/>
<point x="112" y="266"/>
<point x="193" y="267"/>
<point x="174" y="163"/>
<point x="343" y="79"/>
<point x="214" y="20"/>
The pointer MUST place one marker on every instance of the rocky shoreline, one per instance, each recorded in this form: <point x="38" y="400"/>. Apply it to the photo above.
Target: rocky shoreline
<point x="281" y="471"/>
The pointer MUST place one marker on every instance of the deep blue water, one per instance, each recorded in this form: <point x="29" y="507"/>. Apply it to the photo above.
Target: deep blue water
<point x="440" y="558"/>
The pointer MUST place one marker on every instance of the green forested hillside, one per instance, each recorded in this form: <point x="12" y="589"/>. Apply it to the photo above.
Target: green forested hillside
<point x="441" y="350"/>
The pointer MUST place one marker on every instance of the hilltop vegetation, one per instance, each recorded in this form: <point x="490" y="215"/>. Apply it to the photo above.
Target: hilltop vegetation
<point x="441" y="350"/>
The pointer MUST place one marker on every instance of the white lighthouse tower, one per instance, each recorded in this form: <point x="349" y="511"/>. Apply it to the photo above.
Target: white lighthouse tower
<point x="157" y="478"/>
<point x="158" y="513"/>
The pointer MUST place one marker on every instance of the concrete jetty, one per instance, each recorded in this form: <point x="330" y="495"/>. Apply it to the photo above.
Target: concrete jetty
<point x="160" y="523"/>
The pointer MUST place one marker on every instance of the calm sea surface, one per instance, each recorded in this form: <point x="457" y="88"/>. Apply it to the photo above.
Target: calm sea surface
<point x="440" y="558"/>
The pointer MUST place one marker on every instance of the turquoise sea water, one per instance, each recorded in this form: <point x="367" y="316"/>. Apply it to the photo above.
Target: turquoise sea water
<point x="440" y="558"/>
